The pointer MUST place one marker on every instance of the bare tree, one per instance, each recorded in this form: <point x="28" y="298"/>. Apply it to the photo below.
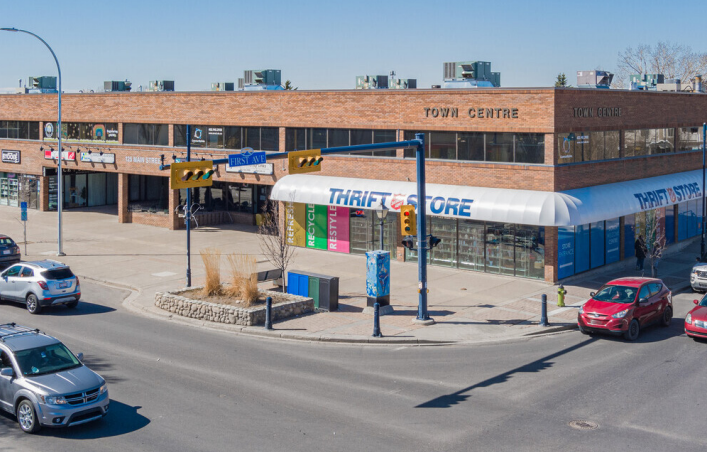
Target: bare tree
<point x="656" y="241"/>
<point x="669" y="59"/>
<point x="272" y="234"/>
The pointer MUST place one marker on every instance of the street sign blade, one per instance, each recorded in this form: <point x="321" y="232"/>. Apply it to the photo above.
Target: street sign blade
<point x="256" y="158"/>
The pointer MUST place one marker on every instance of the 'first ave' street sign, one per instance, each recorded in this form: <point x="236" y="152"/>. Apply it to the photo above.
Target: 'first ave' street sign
<point x="246" y="157"/>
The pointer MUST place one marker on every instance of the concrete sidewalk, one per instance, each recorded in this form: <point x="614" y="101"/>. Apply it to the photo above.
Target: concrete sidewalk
<point x="466" y="306"/>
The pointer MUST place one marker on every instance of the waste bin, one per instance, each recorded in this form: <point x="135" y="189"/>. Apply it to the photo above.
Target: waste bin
<point x="323" y="289"/>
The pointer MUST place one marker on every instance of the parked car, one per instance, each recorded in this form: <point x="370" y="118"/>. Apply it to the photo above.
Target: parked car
<point x="44" y="384"/>
<point x="625" y="306"/>
<point x="39" y="284"/>
<point x="696" y="320"/>
<point x="9" y="251"/>
<point x="698" y="275"/>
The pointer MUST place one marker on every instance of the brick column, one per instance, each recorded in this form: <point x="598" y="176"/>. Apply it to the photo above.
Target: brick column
<point x="550" y="154"/>
<point x="173" y="203"/>
<point x="43" y="194"/>
<point x="550" y="254"/>
<point x="283" y="139"/>
<point x="170" y="139"/>
<point x="123" y="198"/>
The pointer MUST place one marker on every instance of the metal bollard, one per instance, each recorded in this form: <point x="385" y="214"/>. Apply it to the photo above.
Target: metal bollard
<point x="268" y="313"/>
<point x="543" y="311"/>
<point x="376" y="320"/>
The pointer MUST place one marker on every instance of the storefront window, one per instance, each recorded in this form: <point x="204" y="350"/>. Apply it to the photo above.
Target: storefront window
<point x="612" y="146"/>
<point x="689" y="138"/>
<point x="232" y="137"/>
<point x="146" y="134"/>
<point x="499" y="147"/>
<point x="471" y="245"/>
<point x="445" y="253"/>
<point x="384" y="136"/>
<point x="530" y="148"/>
<point x="443" y="145"/>
<point x="19" y="130"/>
<point x="82" y="131"/>
<point x="470" y="146"/>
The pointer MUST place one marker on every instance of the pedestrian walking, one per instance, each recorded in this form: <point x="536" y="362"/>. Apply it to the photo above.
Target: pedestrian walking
<point x="656" y="254"/>
<point x="641" y="250"/>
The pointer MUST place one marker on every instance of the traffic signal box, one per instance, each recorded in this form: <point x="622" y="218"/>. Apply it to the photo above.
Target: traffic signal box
<point x="305" y="161"/>
<point x="191" y="174"/>
<point x="408" y="220"/>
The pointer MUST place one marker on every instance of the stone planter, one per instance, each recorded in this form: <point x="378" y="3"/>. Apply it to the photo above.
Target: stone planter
<point x="234" y="315"/>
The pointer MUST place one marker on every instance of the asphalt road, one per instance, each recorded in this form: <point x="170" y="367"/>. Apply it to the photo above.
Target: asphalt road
<point x="181" y="388"/>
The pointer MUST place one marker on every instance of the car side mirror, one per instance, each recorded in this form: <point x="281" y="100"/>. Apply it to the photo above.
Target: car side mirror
<point x="643" y="300"/>
<point x="695" y="301"/>
<point x="7" y="372"/>
<point x="80" y="357"/>
<point x="591" y="294"/>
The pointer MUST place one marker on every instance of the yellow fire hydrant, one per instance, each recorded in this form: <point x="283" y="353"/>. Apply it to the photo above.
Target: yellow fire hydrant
<point x="561" y="292"/>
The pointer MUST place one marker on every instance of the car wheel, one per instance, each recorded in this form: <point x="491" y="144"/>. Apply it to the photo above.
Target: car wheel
<point x="33" y="304"/>
<point x="72" y="304"/>
<point x="631" y="333"/>
<point x="667" y="316"/>
<point x="27" y="418"/>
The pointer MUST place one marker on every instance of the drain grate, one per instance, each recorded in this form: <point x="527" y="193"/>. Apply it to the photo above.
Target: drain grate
<point x="584" y="425"/>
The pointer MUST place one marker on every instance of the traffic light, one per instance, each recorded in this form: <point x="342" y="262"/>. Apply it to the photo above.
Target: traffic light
<point x="434" y="241"/>
<point x="191" y="174"/>
<point x="305" y="161"/>
<point x="409" y="242"/>
<point x="408" y="220"/>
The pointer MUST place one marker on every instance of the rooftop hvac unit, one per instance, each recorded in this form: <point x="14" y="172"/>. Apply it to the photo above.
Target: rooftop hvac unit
<point x="222" y="86"/>
<point x="450" y="71"/>
<point x="594" y="79"/>
<point x="43" y="82"/>
<point x="241" y="83"/>
<point x="112" y="86"/>
<point x="262" y="77"/>
<point x="161" y="85"/>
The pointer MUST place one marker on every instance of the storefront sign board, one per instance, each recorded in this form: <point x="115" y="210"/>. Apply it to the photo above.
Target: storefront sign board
<point x="264" y="168"/>
<point x="96" y="157"/>
<point x="54" y="155"/>
<point x="295" y="218"/>
<point x="338" y="229"/>
<point x="316" y="226"/>
<point x="10" y="156"/>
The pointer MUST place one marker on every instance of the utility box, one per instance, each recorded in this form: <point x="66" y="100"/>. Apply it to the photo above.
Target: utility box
<point x="323" y="289"/>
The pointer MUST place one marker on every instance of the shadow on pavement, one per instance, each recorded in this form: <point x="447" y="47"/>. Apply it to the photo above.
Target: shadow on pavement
<point x="83" y="308"/>
<point x="120" y="420"/>
<point x="102" y="367"/>
<point x="447" y="401"/>
<point x="653" y="333"/>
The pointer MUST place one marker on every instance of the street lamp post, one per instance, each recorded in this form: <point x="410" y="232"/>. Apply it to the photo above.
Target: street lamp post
<point x="60" y="252"/>
<point x="381" y="213"/>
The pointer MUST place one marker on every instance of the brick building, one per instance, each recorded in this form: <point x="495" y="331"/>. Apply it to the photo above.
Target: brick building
<point x="558" y="181"/>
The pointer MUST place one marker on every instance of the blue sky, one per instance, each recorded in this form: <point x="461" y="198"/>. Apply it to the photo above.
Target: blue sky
<point x="325" y="44"/>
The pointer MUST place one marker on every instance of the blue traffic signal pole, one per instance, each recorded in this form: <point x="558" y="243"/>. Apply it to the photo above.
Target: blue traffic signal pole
<point x="187" y="212"/>
<point x="421" y="229"/>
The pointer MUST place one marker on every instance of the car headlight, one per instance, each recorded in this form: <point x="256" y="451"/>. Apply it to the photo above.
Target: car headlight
<point x="53" y="400"/>
<point x="688" y="319"/>
<point x="103" y="389"/>
<point x="620" y="315"/>
<point x="581" y="309"/>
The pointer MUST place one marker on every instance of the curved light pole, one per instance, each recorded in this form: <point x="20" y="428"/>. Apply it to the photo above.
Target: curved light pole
<point x="60" y="193"/>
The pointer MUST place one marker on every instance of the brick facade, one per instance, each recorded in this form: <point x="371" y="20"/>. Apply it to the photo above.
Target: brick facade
<point x="548" y="111"/>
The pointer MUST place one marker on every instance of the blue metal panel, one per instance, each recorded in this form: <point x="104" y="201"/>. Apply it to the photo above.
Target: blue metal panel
<point x="303" y="283"/>
<point x="581" y="245"/>
<point x="692" y="218"/>
<point x="629" y="236"/>
<point x="293" y="283"/>
<point x="669" y="224"/>
<point x="613" y="240"/>
<point x="682" y="221"/>
<point x="565" y="252"/>
<point x="597" y="254"/>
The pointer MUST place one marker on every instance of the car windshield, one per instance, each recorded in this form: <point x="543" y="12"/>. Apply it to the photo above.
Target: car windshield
<point x="6" y="241"/>
<point x="59" y="273"/>
<point x="46" y="360"/>
<point x="703" y="301"/>
<point x="616" y="294"/>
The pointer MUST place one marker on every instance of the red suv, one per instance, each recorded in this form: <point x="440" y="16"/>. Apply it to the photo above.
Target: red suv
<point x="624" y="306"/>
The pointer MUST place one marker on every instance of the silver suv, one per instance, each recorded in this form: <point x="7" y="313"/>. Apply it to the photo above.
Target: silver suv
<point x="39" y="284"/>
<point x="44" y="384"/>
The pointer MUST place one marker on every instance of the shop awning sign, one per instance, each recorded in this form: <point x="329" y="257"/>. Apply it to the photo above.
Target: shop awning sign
<point x="54" y="155"/>
<point x="10" y="156"/>
<point x="97" y="157"/>
<point x="246" y="157"/>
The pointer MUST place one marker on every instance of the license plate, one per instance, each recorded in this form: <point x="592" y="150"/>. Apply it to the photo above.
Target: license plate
<point x="6" y="252"/>
<point x="63" y="285"/>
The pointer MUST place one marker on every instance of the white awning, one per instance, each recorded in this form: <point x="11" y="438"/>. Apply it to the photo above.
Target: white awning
<point x="530" y="207"/>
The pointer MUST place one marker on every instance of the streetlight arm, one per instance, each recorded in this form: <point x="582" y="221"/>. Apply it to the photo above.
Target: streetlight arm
<point x="60" y="193"/>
